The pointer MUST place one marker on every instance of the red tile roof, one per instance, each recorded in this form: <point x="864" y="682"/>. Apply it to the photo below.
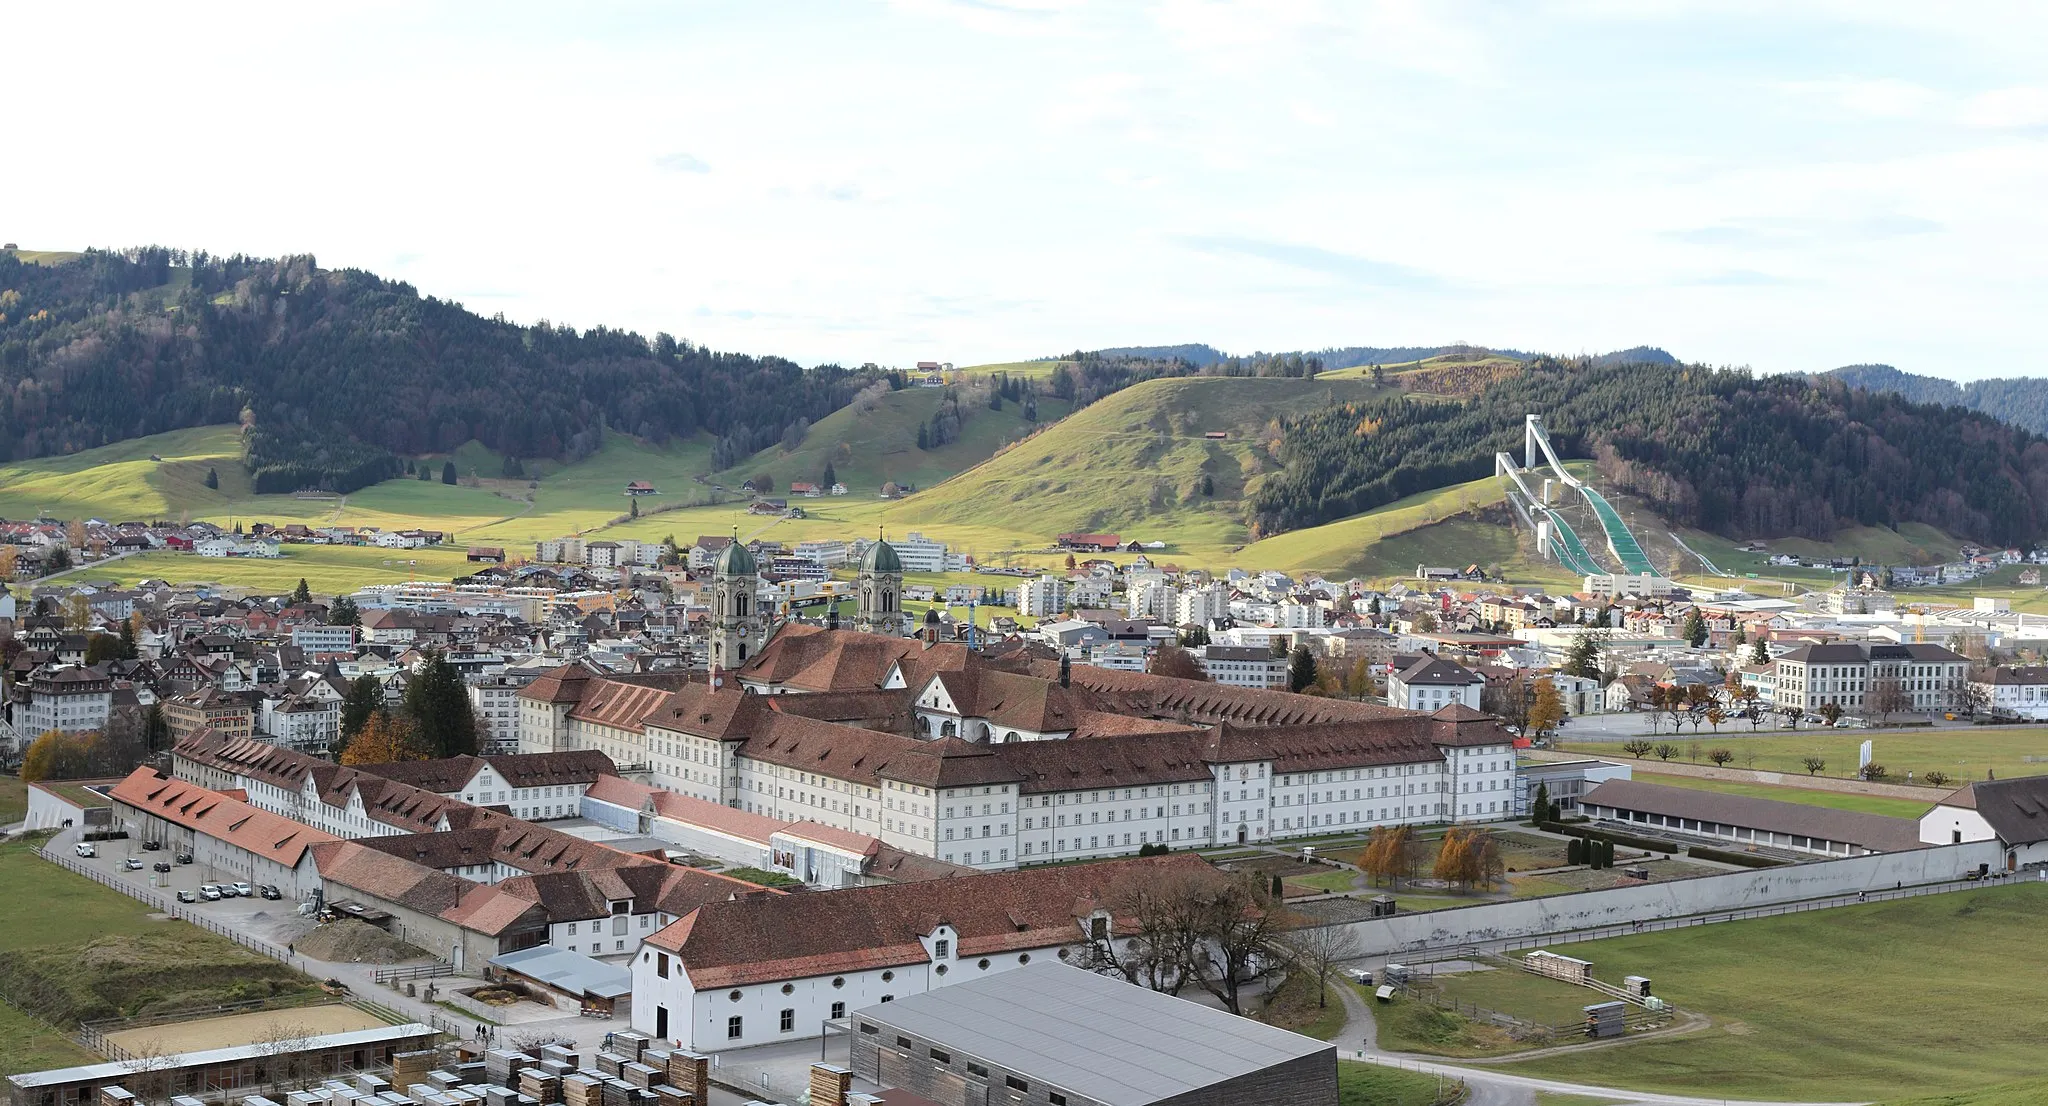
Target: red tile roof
<point x="272" y="836"/>
<point x="759" y="939"/>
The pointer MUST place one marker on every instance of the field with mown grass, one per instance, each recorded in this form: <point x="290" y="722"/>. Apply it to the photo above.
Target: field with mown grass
<point x="327" y="569"/>
<point x="1379" y="1085"/>
<point x="74" y="950"/>
<point x="867" y="449"/>
<point x="13" y="800"/>
<point x="1965" y="754"/>
<point x="1921" y="996"/>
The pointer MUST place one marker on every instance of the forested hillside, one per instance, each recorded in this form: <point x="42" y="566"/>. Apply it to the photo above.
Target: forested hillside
<point x="341" y="369"/>
<point x="2022" y="401"/>
<point x="1719" y="450"/>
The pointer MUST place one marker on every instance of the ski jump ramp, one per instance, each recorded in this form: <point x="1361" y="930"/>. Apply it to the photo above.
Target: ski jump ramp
<point x="1554" y="534"/>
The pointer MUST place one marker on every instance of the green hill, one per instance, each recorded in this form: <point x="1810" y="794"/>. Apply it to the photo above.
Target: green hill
<point x="877" y="444"/>
<point x="120" y="482"/>
<point x="1136" y="461"/>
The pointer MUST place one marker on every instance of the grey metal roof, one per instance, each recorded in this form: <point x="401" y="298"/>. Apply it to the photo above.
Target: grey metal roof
<point x="1091" y="1035"/>
<point x="1871" y="831"/>
<point x="118" y="1069"/>
<point x="569" y="972"/>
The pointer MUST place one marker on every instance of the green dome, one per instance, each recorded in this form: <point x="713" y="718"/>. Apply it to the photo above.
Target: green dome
<point x="734" y="560"/>
<point x="881" y="557"/>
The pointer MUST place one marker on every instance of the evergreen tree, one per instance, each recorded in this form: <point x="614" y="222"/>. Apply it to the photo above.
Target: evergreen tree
<point x="1540" y="810"/>
<point x="1695" y="628"/>
<point x="1582" y="657"/>
<point x="365" y="697"/>
<point x="212" y="478"/>
<point x="128" y="648"/>
<point x="924" y="437"/>
<point x="1761" y="654"/>
<point x="1208" y="485"/>
<point x="302" y="593"/>
<point x="424" y="474"/>
<point x="438" y="704"/>
<point x="1301" y="669"/>
<point x="344" y="613"/>
<point x="447" y="472"/>
<point x="633" y="503"/>
<point x="829" y="478"/>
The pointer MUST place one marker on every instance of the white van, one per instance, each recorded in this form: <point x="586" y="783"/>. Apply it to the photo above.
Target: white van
<point x="85" y="848"/>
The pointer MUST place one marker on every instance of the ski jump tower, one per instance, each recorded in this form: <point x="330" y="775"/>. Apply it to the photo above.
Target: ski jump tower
<point x="1554" y="536"/>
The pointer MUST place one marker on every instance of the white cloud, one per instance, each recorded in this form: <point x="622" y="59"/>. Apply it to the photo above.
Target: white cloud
<point x="2025" y="106"/>
<point x="972" y="180"/>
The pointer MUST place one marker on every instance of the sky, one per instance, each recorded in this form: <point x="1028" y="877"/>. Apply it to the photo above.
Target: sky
<point x="1788" y="186"/>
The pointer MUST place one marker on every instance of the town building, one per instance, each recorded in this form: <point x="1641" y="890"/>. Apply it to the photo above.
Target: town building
<point x="758" y="969"/>
<point x="2013" y="812"/>
<point x="1429" y="683"/>
<point x="2015" y="691"/>
<point x="69" y="698"/>
<point x="1848" y="674"/>
<point x="1255" y="666"/>
<point x="1041" y="1033"/>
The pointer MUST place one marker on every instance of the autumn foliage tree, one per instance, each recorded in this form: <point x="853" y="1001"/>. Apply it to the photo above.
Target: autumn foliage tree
<point x="1172" y="660"/>
<point x="56" y="755"/>
<point x="1386" y="853"/>
<point x="1468" y="858"/>
<point x="385" y="739"/>
<point x="1546" y="710"/>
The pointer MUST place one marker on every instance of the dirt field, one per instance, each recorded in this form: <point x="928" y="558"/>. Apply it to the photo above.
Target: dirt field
<point x="243" y="1029"/>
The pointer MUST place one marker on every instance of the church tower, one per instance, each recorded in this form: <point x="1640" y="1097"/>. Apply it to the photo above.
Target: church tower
<point x="735" y="604"/>
<point x="881" y="590"/>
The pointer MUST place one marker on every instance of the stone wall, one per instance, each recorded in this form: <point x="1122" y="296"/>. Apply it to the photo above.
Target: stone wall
<point x="1679" y="898"/>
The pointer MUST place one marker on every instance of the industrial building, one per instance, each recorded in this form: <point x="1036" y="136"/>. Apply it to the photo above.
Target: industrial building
<point x="1054" y="1035"/>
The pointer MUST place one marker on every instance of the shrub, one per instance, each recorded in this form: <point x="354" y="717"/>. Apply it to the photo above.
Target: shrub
<point x="1728" y="856"/>
<point x="1649" y="844"/>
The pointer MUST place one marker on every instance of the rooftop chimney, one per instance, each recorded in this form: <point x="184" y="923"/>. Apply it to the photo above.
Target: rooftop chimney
<point x="1066" y="670"/>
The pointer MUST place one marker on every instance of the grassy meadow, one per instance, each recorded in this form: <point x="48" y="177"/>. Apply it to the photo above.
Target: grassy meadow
<point x="72" y="950"/>
<point x="1965" y="754"/>
<point x="1893" y="999"/>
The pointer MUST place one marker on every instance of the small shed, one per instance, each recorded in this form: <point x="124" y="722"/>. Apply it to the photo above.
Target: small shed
<point x="591" y="982"/>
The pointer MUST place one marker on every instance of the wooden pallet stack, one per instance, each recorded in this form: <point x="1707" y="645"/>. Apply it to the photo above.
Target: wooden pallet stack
<point x="541" y="1085"/>
<point x="582" y="1089"/>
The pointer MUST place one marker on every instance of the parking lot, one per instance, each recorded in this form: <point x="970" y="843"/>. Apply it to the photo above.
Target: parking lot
<point x="275" y="920"/>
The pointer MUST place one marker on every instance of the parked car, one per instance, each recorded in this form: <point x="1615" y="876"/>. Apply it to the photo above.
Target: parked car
<point x="187" y="896"/>
<point x="151" y="846"/>
<point x="85" y="848"/>
<point x="160" y="867"/>
<point x="270" y="891"/>
<point x="132" y="864"/>
<point x="183" y="858"/>
<point x="244" y="889"/>
<point x="210" y="892"/>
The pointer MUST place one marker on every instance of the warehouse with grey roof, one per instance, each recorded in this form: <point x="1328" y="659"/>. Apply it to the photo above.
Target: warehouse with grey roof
<point x="1053" y="1035"/>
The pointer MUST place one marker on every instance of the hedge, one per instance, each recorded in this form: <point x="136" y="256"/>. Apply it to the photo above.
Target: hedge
<point x="1729" y="856"/>
<point x="1648" y="844"/>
